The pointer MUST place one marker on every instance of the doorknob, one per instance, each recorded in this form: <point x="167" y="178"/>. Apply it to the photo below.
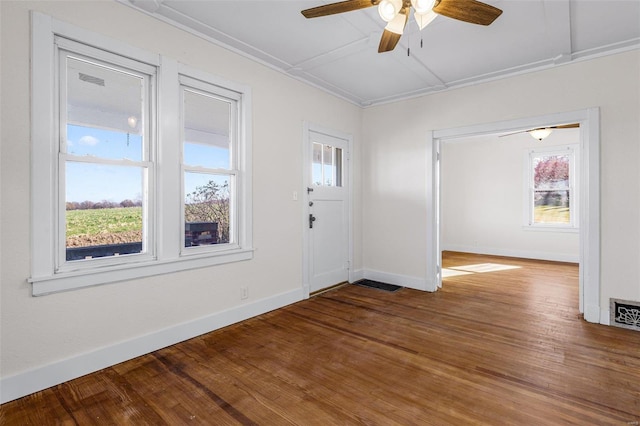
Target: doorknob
<point x="312" y="219"/>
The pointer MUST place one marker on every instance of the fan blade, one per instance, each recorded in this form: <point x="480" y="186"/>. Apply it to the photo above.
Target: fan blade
<point x="388" y="41"/>
<point x="562" y="126"/>
<point x="340" y="7"/>
<point x="566" y="126"/>
<point x="471" y="11"/>
<point x="514" y="133"/>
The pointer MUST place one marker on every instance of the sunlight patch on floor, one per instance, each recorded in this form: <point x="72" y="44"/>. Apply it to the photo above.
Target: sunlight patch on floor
<point x="475" y="269"/>
<point x="448" y="272"/>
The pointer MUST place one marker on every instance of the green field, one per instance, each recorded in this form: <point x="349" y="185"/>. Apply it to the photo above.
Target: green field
<point x="100" y="221"/>
<point x="551" y="214"/>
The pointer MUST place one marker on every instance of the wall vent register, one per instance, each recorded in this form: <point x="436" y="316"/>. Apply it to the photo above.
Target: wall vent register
<point x="625" y="314"/>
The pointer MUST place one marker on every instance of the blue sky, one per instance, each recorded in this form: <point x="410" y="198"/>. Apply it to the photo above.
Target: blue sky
<point x="96" y="182"/>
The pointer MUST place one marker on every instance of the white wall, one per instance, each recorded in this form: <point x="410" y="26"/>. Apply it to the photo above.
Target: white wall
<point x="85" y="325"/>
<point x="483" y="182"/>
<point x="395" y="160"/>
<point x="99" y="324"/>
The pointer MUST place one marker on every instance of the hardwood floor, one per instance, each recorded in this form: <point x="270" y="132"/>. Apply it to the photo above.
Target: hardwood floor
<point x="496" y="346"/>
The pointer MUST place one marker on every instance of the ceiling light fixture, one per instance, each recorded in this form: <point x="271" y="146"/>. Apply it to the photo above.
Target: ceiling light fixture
<point x="389" y="9"/>
<point x="423" y="6"/>
<point x="397" y="24"/>
<point x="424" y="19"/>
<point x="540" y="133"/>
<point x="396" y="14"/>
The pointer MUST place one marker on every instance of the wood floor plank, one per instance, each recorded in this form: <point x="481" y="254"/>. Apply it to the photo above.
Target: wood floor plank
<point x="501" y="343"/>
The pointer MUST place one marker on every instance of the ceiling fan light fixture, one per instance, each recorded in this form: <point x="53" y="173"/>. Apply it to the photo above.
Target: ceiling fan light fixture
<point x="424" y="19"/>
<point x="389" y="9"/>
<point x="540" y="133"/>
<point x="397" y="24"/>
<point x="422" y="6"/>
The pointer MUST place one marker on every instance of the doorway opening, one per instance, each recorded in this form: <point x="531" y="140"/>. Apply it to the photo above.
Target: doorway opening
<point x="588" y="195"/>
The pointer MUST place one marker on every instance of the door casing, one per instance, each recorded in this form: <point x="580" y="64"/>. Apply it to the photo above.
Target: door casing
<point x="589" y="271"/>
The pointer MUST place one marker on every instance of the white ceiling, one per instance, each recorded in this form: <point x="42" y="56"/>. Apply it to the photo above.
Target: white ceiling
<point x="339" y="53"/>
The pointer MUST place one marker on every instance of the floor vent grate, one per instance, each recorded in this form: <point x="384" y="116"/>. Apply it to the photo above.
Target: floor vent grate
<point x="625" y="314"/>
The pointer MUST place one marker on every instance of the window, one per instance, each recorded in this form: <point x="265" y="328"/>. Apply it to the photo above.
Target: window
<point x="210" y="171"/>
<point x="326" y="166"/>
<point x="120" y="188"/>
<point x="551" y="188"/>
<point x="105" y="168"/>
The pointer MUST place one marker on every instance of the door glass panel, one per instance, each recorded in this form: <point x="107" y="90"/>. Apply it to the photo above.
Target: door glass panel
<point x="338" y="167"/>
<point x="316" y="164"/>
<point x="326" y="165"/>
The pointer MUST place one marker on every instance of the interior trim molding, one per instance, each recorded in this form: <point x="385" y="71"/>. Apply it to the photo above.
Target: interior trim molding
<point x="34" y="380"/>
<point x="416" y="283"/>
<point x="589" y="231"/>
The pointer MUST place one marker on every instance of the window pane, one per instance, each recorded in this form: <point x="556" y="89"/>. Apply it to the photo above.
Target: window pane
<point x="206" y="131"/>
<point x="104" y="98"/>
<point x="103" y="143"/>
<point x="338" y="167"/>
<point x="316" y="164"/>
<point x="551" y="189"/>
<point x="327" y="165"/>
<point x="206" y="209"/>
<point x="551" y="207"/>
<point x="551" y="172"/>
<point x="104" y="210"/>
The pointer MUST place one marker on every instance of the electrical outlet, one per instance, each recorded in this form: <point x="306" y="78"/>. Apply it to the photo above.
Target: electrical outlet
<point x="244" y="293"/>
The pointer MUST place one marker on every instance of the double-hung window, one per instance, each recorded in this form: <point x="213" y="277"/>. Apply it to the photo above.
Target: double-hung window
<point x="140" y="165"/>
<point x="106" y="166"/>
<point x="210" y="165"/>
<point x="551" y="193"/>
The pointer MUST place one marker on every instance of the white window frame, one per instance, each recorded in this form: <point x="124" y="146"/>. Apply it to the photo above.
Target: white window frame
<point x="166" y="192"/>
<point x="68" y="48"/>
<point x="210" y="86"/>
<point x="572" y="151"/>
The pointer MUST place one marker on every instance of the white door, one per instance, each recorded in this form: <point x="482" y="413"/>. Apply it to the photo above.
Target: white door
<point x="327" y="216"/>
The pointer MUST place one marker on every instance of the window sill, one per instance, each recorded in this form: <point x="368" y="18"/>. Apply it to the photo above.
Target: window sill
<point x="60" y="282"/>
<point x="551" y="228"/>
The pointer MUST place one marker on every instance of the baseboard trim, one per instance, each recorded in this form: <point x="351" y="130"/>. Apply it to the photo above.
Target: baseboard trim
<point x="28" y="382"/>
<point x="396" y="279"/>
<point x="592" y="314"/>
<point x="356" y="275"/>
<point x="524" y="254"/>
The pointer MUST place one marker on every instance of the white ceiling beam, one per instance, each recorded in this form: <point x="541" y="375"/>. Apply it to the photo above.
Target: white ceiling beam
<point x="557" y="18"/>
<point x="332" y="55"/>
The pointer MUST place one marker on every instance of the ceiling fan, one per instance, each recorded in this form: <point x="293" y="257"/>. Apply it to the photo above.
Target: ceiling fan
<point x="542" y="132"/>
<point x="396" y="14"/>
